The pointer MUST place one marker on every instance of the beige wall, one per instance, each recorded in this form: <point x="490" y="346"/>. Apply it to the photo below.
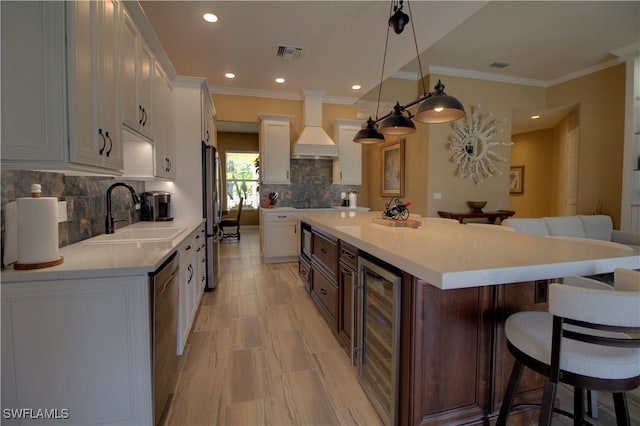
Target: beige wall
<point x="238" y="142"/>
<point x="601" y="99"/>
<point x="536" y="152"/>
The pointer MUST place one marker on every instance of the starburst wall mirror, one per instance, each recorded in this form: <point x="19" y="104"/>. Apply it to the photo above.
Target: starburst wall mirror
<point x="473" y="145"/>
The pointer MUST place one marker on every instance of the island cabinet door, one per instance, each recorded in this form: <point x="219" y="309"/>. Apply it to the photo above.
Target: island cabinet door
<point x="445" y="355"/>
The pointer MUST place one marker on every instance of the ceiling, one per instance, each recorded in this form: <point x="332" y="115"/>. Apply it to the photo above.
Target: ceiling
<point x="343" y="43"/>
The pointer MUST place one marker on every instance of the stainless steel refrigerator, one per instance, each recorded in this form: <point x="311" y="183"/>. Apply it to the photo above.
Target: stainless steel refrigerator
<point x="211" y="184"/>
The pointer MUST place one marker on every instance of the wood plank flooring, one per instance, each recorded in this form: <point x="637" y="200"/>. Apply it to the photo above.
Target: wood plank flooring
<point x="260" y="354"/>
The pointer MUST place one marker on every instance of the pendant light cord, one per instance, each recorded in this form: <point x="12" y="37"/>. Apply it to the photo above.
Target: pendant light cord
<point x="413" y="29"/>
<point x="384" y="60"/>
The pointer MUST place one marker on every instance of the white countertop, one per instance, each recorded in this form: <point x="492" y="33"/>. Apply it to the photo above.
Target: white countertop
<point x="276" y="210"/>
<point x="90" y="259"/>
<point x="450" y="255"/>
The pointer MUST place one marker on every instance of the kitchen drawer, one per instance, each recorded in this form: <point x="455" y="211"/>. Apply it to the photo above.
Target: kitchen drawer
<point x="349" y="255"/>
<point x="325" y="294"/>
<point x="325" y="252"/>
<point x="304" y="270"/>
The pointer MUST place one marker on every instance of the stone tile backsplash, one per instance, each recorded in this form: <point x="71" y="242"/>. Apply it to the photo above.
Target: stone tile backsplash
<point x="85" y="197"/>
<point x="311" y="186"/>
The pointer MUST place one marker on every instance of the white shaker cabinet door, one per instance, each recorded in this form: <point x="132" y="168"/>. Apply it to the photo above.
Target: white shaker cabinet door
<point x="34" y="108"/>
<point x="81" y="345"/>
<point x="275" y="149"/>
<point x="347" y="169"/>
<point x="95" y="129"/>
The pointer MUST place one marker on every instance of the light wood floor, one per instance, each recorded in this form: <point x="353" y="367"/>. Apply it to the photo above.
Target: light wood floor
<point x="260" y="354"/>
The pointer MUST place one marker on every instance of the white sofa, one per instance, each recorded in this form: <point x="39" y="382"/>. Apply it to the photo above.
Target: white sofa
<point x="592" y="227"/>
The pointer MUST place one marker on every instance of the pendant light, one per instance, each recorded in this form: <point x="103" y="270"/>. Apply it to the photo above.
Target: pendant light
<point x="435" y="107"/>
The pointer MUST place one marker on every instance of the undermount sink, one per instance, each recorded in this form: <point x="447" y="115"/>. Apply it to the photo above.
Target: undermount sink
<point x="139" y="235"/>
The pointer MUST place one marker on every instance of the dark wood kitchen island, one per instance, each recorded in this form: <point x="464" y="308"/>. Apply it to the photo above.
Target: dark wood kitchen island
<point x="458" y="284"/>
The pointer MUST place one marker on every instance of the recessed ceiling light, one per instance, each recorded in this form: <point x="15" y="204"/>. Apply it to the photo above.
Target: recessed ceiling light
<point x="280" y="80"/>
<point x="356" y="87"/>
<point x="210" y="17"/>
<point x="535" y="117"/>
<point x="229" y="75"/>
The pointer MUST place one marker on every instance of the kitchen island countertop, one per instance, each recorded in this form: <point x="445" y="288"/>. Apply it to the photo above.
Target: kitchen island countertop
<point x="450" y="255"/>
<point x="92" y="258"/>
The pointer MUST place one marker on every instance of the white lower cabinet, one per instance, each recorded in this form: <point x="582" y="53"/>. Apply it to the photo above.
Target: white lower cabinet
<point x="191" y="284"/>
<point x="280" y="237"/>
<point x="80" y="347"/>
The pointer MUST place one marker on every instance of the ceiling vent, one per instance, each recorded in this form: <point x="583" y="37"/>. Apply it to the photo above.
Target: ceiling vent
<point x="289" y="52"/>
<point x="499" y="64"/>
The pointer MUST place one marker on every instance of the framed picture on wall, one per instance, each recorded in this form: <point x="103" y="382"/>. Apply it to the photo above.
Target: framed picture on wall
<point x="392" y="157"/>
<point x="516" y="180"/>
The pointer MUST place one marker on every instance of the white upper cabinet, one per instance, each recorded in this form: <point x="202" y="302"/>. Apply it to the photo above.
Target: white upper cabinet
<point x="94" y="122"/>
<point x="136" y="79"/>
<point x="347" y="169"/>
<point x="165" y="141"/>
<point x="59" y="76"/>
<point x="34" y="92"/>
<point x="275" y="149"/>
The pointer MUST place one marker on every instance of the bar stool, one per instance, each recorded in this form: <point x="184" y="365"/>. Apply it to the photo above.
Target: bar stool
<point x="589" y="340"/>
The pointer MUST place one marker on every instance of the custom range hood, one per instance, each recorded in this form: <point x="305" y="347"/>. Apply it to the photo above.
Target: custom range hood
<point x="314" y="141"/>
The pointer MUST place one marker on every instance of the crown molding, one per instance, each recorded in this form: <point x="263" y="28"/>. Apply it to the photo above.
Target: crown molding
<point x="457" y="72"/>
<point x="272" y="94"/>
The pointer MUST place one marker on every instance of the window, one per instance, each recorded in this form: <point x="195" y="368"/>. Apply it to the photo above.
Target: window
<point x="242" y="179"/>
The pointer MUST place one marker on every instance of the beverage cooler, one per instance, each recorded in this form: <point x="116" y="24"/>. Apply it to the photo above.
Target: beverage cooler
<point x="378" y="331"/>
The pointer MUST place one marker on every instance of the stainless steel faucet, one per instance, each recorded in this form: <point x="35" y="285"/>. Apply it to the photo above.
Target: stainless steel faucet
<point x="108" y="223"/>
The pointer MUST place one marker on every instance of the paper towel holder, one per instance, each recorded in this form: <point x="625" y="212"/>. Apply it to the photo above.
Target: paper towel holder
<point x="36" y="191"/>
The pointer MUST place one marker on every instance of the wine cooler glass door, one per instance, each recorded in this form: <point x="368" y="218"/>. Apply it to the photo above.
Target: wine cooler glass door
<point x="379" y="330"/>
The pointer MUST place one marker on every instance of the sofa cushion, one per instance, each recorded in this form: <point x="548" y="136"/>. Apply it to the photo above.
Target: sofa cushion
<point x="598" y="227"/>
<point x="565" y="226"/>
<point x="528" y="226"/>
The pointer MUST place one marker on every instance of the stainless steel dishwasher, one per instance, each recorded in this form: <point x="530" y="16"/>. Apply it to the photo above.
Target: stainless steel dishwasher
<point x="164" y="333"/>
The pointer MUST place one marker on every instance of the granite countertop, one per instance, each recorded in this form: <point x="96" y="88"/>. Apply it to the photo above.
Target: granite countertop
<point x="450" y="255"/>
<point x="93" y="258"/>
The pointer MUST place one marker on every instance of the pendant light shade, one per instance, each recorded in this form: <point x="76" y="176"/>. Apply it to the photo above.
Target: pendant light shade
<point x="369" y="134"/>
<point x="397" y="123"/>
<point x="439" y="107"/>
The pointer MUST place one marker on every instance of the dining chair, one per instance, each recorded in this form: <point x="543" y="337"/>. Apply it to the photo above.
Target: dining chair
<point x="231" y="222"/>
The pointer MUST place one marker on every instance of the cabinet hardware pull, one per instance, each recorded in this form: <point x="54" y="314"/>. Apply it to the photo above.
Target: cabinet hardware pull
<point x="207" y="135"/>
<point x="168" y="164"/>
<point x="282" y="217"/>
<point x="110" y="143"/>
<point x="323" y="251"/>
<point x="188" y="247"/>
<point x="347" y="271"/>
<point x="104" y="141"/>
<point x="141" y="114"/>
<point x="323" y="291"/>
<point x="144" y="115"/>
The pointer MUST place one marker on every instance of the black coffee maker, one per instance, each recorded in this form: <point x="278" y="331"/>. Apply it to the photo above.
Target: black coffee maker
<point x="156" y="206"/>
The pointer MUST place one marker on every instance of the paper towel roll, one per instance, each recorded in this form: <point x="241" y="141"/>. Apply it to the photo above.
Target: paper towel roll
<point x="353" y="199"/>
<point x="37" y="230"/>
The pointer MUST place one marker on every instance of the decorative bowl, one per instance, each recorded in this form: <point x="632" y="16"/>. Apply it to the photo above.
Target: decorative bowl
<point x="476" y="206"/>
